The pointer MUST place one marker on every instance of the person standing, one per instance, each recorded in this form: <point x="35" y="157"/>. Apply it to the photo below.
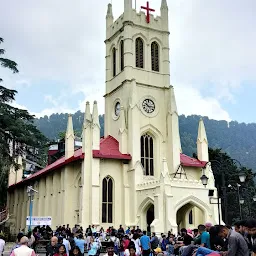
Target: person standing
<point x="31" y="239"/>
<point x="23" y="250"/>
<point x="76" y="251"/>
<point x="67" y="245"/>
<point x="68" y="230"/>
<point x="74" y="229"/>
<point x="145" y="244"/>
<point x="52" y="248"/>
<point x="128" y="231"/>
<point x="93" y="247"/>
<point x="2" y="244"/>
<point x="110" y="249"/>
<point x="17" y="245"/>
<point x="88" y="230"/>
<point x="62" y="251"/>
<point x="205" y="236"/>
<point x="154" y="241"/>
<point x="120" y="230"/>
<point x="137" y="244"/>
<point x="80" y="242"/>
<point x="94" y="230"/>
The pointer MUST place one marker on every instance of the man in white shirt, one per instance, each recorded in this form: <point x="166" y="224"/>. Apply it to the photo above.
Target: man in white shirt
<point x="94" y="230"/>
<point x="23" y="250"/>
<point x="2" y="244"/>
<point x="67" y="245"/>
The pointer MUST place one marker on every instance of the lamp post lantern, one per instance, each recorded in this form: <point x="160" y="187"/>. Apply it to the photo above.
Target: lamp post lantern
<point x="242" y="177"/>
<point x="241" y="201"/>
<point x="204" y="179"/>
<point x="220" y="171"/>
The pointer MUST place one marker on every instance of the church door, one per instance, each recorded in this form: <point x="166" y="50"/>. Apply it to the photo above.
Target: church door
<point x="150" y="217"/>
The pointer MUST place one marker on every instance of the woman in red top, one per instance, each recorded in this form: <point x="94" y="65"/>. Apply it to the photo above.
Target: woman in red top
<point x="62" y="251"/>
<point x="126" y="242"/>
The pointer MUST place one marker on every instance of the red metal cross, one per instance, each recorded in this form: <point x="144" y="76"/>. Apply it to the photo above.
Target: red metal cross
<point x="148" y="10"/>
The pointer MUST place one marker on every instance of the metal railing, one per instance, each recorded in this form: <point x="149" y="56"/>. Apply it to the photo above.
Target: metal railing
<point x="3" y="215"/>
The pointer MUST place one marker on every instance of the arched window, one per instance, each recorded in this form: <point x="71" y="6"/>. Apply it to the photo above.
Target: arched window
<point x="147" y="154"/>
<point x="190" y="217"/>
<point x="114" y="60"/>
<point x="107" y="200"/>
<point x="122" y="55"/>
<point x="155" y="56"/>
<point x="139" y="53"/>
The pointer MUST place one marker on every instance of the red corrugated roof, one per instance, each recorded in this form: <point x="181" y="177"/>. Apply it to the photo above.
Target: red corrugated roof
<point x="109" y="149"/>
<point x="192" y="162"/>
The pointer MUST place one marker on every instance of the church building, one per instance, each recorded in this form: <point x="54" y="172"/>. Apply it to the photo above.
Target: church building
<point x="136" y="174"/>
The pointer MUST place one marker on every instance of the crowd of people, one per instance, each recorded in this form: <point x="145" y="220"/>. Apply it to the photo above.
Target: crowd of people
<point x="205" y="240"/>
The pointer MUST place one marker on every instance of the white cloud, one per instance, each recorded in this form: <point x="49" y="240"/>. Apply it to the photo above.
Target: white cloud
<point x="211" y="46"/>
<point x="23" y="82"/>
<point x="190" y="102"/>
<point x="16" y="105"/>
<point x="49" y="111"/>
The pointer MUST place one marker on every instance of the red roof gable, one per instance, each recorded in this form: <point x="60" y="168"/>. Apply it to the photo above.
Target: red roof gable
<point x="192" y="162"/>
<point x="109" y="149"/>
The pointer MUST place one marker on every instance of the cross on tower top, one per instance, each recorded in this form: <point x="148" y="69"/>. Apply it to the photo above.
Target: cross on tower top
<point x="148" y="10"/>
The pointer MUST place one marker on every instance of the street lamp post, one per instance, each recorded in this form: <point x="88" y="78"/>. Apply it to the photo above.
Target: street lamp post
<point x="240" y="200"/>
<point x="220" y="171"/>
<point x="204" y="179"/>
<point x="30" y="192"/>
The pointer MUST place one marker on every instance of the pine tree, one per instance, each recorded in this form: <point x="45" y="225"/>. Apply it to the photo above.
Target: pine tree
<point x="18" y="134"/>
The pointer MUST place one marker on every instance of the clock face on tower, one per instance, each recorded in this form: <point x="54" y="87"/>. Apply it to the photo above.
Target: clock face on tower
<point x="117" y="108"/>
<point x="148" y="106"/>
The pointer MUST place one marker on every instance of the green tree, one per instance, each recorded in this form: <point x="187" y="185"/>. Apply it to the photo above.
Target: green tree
<point x="226" y="173"/>
<point x="18" y="134"/>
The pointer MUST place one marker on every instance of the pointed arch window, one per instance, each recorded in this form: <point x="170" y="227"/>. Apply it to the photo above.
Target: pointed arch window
<point x="190" y="217"/>
<point x="147" y="154"/>
<point x="114" y="61"/>
<point x="122" y="55"/>
<point x="139" y="52"/>
<point x="155" y="56"/>
<point x="107" y="200"/>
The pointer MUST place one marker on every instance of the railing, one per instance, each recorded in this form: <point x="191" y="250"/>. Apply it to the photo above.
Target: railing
<point x="3" y="215"/>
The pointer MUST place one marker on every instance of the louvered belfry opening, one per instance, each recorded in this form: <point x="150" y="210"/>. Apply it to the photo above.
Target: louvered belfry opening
<point x="155" y="56"/>
<point x="122" y="55"/>
<point x="139" y="53"/>
<point x="114" y="61"/>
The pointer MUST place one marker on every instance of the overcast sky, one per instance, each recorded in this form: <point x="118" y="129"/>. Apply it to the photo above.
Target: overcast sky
<point x="59" y="46"/>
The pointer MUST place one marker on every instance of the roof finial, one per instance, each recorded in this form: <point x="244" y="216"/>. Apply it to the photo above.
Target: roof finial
<point x="87" y="114"/>
<point x="95" y="114"/>
<point x="109" y="11"/>
<point x="172" y="106"/>
<point x="70" y="130"/>
<point x="201" y="131"/>
<point x="164" y="4"/>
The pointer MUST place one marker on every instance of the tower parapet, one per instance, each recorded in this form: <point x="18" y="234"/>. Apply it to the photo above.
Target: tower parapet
<point x="137" y="19"/>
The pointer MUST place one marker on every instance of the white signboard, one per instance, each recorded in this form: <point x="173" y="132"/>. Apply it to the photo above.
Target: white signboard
<point x="39" y="221"/>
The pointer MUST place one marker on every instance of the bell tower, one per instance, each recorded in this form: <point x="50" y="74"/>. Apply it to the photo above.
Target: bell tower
<point x="138" y="80"/>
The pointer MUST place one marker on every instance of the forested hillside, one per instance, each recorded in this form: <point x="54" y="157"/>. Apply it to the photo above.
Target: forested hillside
<point x="237" y="139"/>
